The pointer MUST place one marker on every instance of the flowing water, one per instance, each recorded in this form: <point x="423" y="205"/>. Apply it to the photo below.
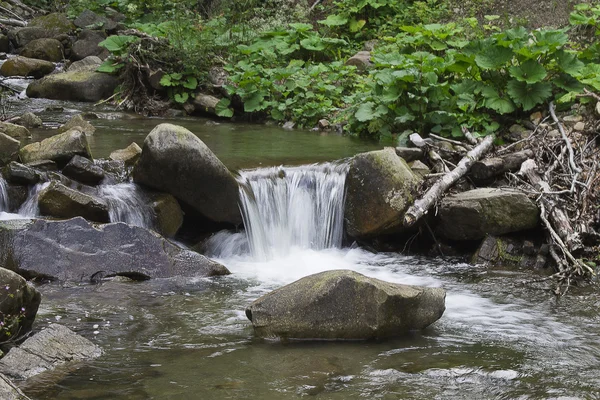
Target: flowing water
<point x="501" y="337"/>
<point x="127" y="203"/>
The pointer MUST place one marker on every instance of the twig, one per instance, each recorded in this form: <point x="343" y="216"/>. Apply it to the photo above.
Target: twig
<point x="574" y="167"/>
<point x="469" y="136"/>
<point x="313" y="6"/>
<point x="443" y="139"/>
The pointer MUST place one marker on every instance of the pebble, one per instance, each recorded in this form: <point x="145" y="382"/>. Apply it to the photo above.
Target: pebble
<point x="580" y="126"/>
<point x="536" y="118"/>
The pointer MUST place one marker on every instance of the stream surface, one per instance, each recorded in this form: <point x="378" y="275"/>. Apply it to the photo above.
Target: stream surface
<point x="190" y="339"/>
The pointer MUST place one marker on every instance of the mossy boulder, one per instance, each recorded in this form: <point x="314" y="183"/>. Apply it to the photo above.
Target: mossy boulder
<point x="473" y="214"/>
<point x="19" y="303"/>
<point x="380" y="187"/>
<point x="9" y="149"/>
<point x="57" y="200"/>
<point x="24" y="66"/>
<point x="176" y="161"/>
<point x="59" y="148"/>
<point x="345" y="305"/>
<point x="74" y="86"/>
<point x="55" y="22"/>
<point x="14" y="130"/>
<point x="44" y="49"/>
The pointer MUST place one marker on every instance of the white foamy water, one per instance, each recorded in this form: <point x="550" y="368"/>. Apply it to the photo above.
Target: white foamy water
<point x="126" y="203"/>
<point x="30" y="208"/>
<point x="3" y="195"/>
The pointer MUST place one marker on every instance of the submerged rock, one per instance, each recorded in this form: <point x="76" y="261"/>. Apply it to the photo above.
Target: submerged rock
<point x="57" y="200"/>
<point x="23" y="66"/>
<point x="176" y="161"/>
<point x="342" y="304"/>
<point x="60" y="148"/>
<point x="379" y="190"/>
<point x="19" y="303"/>
<point x="74" y="86"/>
<point x="476" y="213"/>
<point x="77" y="250"/>
<point x="46" y="350"/>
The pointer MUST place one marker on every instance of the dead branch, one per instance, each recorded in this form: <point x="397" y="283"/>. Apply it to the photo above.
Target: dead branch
<point x="469" y="136"/>
<point x="484" y="170"/>
<point x="12" y="22"/>
<point x="422" y="205"/>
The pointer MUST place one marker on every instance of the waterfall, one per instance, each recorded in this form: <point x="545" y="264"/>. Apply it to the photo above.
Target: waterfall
<point x="30" y="208"/>
<point x="3" y="195"/>
<point x="293" y="207"/>
<point x="126" y="203"/>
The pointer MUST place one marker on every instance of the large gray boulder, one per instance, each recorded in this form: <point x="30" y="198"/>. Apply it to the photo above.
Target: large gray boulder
<point x="476" y="213"/>
<point x="77" y="250"/>
<point x="55" y="346"/>
<point x="59" y="201"/>
<point x="74" y="86"/>
<point x="9" y="149"/>
<point x="379" y="189"/>
<point x="44" y="49"/>
<point x="60" y="148"/>
<point x="342" y="304"/>
<point x="19" y="303"/>
<point x="175" y="161"/>
<point x="24" y="66"/>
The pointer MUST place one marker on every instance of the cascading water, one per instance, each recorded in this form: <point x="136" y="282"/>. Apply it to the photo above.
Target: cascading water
<point x="30" y="208"/>
<point x="126" y="203"/>
<point x="293" y="207"/>
<point x="3" y="195"/>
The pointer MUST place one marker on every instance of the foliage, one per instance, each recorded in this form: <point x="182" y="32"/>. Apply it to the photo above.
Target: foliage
<point x="9" y="323"/>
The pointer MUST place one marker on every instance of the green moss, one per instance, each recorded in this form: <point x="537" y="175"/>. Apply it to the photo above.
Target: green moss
<point x="56" y="22"/>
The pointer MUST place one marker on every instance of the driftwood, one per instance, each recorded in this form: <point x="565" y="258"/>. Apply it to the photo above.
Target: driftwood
<point x="422" y="205"/>
<point x="489" y="168"/>
<point x="12" y="22"/>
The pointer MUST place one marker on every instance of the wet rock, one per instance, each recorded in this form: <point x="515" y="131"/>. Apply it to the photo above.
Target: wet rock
<point x="19" y="303"/>
<point x="60" y="201"/>
<point x="89" y="19"/>
<point x="476" y="213"/>
<point x="23" y="66"/>
<point x="13" y="130"/>
<point x="87" y="45"/>
<point x="19" y="37"/>
<point x="128" y="155"/>
<point x="77" y="250"/>
<point x="346" y="305"/>
<point x="4" y="44"/>
<point x="78" y="122"/>
<point x="409" y="154"/>
<point x="176" y="161"/>
<point x="361" y="60"/>
<point x="28" y="120"/>
<point x="43" y="165"/>
<point x="59" y="148"/>
<point x="169" y="216"/>
<point x="496" y="251"/>
<point x="379" y="189"/>
<point x="89" y="63"/>
<point x="20" y="174"/>
<point x="48" y="349"/>
<point x="17" y="195"/>
<point x="44" y="49"/>
<point x="57" y="23"/>
<point x="75" y="86"/>
<point x="83" y="170"/>
<point x="9" y="149"/>
<point x="8" y="390"/>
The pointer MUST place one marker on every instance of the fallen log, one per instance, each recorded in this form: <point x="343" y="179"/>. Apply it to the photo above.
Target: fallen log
<point x="422" y="205"/>
<point x="484" y="170"/>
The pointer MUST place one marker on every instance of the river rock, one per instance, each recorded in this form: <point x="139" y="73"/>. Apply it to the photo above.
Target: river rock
<point x="14" y="130"/>
<point x="28" y="120"/>
<point x="23" y="66"/>
<point x="19" y="37"/>
<point x="48" y="349"/>
<point x="78" y="122"/>
<point x="90" y="63"/>
<point x="60" y="201"/>
<point x="60" y="148"/>
<point x="89" y="19"/>
<point x="345" y="305"/>
<point x="43" y="165"/>
<point x="57" y="23"/>
<point x="473" y="214"/>
<point x="83" y="170"/>
<point x="77" y="250"/>
<point x="4" y="44"/>
<point x="176" y="161"/>
<point x="44" y="49"/>
<point x="20" y="174"/>
<point x="87" y="45"/>
<point x="19" y="303"/>
<point x="9" y="149"/>
<point x="505" y="252"/>
<point x="8" y="390"/>
<point x="74" y="86"/>
<point x="205" y="103"/>
<point x="169" y="216"/>
<point x="128" y="155"/>
<point x="379" y="189"/>
<point x="409" y="154"/>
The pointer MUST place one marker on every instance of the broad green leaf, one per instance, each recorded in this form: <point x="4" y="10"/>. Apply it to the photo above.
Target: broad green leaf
<point x="493" y="57"/>
<point x="254" y="102"/>
<point x="313" y="43"/>
<point x="165" y="81"/>
<point x="528" y="96"/>
<point x="181" y="97"/>
<point x="568" y="83"/>
<point x="117" y="44"/>
<point x="529" y="71"/>
<point x="356" y="25"/>
<point x="568" y="62"/>
<point x="334" y="20"/>
<point x="190" y="83"/>
<point x="403" y="115"/>
<point x="493" y="101"/>
<point x="365" y="112"/>
<point x="222" y="108"/>
<point x="109" y="66"/>
<point x="301" y="27"/>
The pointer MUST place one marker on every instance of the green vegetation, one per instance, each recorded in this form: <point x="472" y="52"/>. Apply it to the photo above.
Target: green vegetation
<point x="285" y="63"/>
